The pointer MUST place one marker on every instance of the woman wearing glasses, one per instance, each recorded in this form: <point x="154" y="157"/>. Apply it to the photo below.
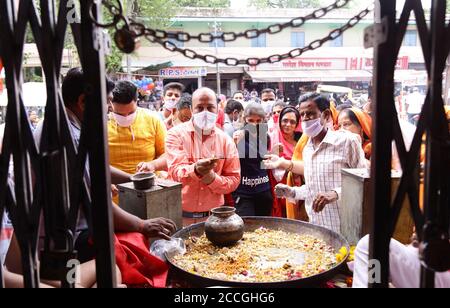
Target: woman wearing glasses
<point x="283" y="142"/>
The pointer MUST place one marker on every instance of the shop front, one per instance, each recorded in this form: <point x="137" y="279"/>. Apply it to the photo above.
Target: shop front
<point x="296" y="76"/>
<point x="191" y="77"/>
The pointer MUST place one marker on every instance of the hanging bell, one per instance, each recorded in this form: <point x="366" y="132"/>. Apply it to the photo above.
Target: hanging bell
<point x="126" y="41"/>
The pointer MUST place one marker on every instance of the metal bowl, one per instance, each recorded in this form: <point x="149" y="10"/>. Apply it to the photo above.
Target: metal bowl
<point x="336" y="241"/>
<point x="143" y="181"/>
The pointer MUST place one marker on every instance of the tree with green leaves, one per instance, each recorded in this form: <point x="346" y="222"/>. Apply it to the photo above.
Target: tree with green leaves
<point x="204" y="3"/>
<point x="155" y="14"/>
<point x="285" y="4"/>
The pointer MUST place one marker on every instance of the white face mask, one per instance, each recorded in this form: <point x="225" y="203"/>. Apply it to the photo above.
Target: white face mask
<point x="330" y="125"/>
<point x="171" y="104"/>
<point x="267" y="106"/>
<point x="237" y="124"/>
<point x="312" y="128"/>
<point x="125" y="121"/>
<point x="268" y="102"/>
<point x="205" y="120"/>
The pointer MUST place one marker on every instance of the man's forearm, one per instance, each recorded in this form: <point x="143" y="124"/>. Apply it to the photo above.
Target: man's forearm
<point x="160" y="163"/>
<point x="297" y="166"/>
<point x="124" y="221"/>
<point x="119" y="176"/>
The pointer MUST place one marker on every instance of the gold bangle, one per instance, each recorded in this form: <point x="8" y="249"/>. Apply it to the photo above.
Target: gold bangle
<point x="291" y="167"/>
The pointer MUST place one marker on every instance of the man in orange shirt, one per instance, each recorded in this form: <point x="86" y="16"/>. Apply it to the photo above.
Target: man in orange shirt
<point x="136" y="137"/>
<point x="203" y="158"/>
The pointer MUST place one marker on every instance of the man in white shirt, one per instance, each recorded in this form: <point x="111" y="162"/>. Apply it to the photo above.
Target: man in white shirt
<point x="404" y="266"/>
<point x="325" y="155"/>
<point x="233" y="115"/>
<point x="414" y="104"/>
<point x="268" y="98"/>
<point x="5" y="236"/>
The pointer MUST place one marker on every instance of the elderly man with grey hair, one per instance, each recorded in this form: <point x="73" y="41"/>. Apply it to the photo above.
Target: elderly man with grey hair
<point x="203" y="158"/>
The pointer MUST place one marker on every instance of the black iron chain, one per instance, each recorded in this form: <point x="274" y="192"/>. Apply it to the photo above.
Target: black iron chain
<point x="117" y="12"/>
<point x="130" y="32"/>
<point x="191" y="54"/>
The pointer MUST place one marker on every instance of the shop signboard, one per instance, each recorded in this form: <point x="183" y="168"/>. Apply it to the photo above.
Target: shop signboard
<point x="183" y="72"/>
<point x="351" y="63"/>
<point x="367" y="63"/>
<point x="306" y="64"/>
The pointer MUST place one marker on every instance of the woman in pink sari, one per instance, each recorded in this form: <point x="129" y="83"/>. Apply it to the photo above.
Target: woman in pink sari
<point x="283" y="142"/>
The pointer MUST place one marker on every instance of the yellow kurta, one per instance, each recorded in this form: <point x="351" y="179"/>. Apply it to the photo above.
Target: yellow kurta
<point x="144" y="141"/>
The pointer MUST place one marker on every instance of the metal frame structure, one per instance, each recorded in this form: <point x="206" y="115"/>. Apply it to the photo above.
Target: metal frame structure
<point x="51" y="179"/>
<point x="432" y="225"/>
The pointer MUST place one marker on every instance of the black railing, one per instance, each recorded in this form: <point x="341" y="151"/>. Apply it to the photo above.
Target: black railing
<point x="432" y="224"/>
<point x="51" y="180"/>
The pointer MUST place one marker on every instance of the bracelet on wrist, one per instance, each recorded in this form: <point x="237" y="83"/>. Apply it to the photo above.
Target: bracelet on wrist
<point x="291" y="166"/>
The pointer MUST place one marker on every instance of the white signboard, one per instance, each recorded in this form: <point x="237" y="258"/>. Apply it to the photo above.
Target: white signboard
<point x="183" y="72"/>
<point x="307" y="64"/>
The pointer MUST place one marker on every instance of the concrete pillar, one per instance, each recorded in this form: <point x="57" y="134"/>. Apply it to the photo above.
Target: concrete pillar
<point x="234" y="86"/>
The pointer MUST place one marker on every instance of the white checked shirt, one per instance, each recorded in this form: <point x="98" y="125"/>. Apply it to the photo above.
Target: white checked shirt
<point x="323" y="166"/>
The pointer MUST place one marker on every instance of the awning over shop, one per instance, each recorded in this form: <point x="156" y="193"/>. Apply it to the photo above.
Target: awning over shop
<point x="310" y="75"/>
<point x="411" y="77"/>
<point x="34" y="94"/>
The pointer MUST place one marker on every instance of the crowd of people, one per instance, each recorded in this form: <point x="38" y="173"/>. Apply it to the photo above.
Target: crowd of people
<point x="262" y="156"/>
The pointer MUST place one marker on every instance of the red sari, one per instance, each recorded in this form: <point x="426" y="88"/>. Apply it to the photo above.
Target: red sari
<point x="279" y="204"/>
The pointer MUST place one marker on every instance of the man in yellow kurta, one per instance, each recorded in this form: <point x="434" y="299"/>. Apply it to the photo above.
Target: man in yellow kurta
<point x="135" y="135"/>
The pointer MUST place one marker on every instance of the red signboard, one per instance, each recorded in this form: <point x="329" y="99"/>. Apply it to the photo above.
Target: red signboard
<point x="367" y="63"/>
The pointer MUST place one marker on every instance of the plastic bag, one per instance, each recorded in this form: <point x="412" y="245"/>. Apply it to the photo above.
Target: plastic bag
<point x="173" y="247"/>
<point x="278" y="174"/>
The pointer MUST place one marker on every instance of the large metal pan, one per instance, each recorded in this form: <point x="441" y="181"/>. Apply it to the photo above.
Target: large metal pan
<point x="252" y="223"/>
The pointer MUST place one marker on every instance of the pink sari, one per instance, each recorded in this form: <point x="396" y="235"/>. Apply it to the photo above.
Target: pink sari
<point x="276" y="137"/>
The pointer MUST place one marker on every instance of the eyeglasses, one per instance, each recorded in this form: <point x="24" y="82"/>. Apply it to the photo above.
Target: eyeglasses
<point x="287" y="121"/>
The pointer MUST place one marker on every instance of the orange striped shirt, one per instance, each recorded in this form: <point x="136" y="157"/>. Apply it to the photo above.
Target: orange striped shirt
<point x="184" y="147"/>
